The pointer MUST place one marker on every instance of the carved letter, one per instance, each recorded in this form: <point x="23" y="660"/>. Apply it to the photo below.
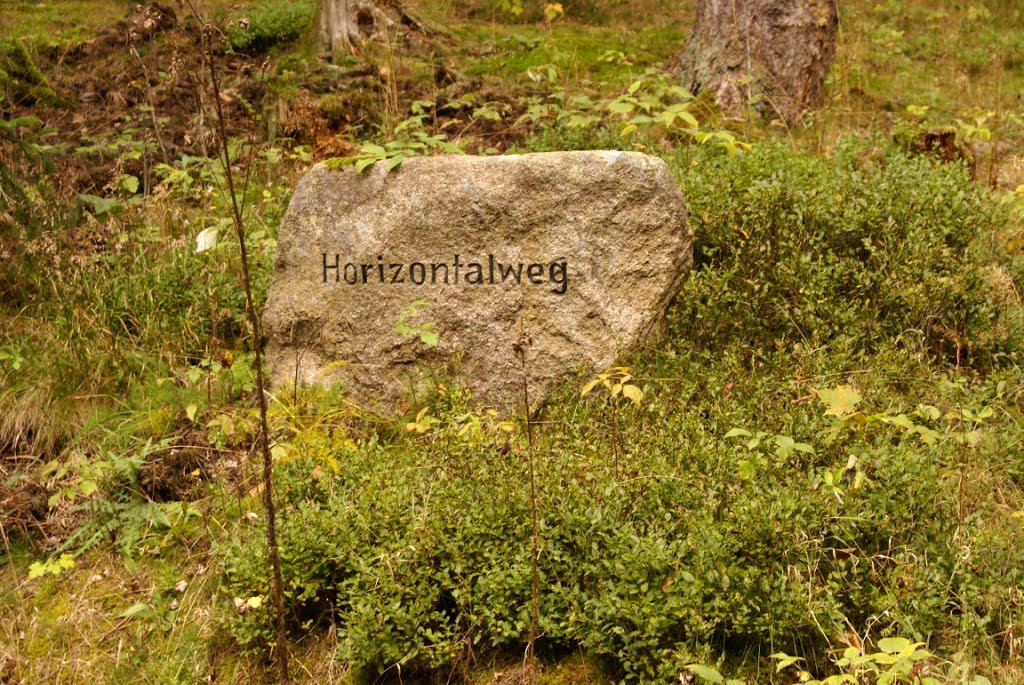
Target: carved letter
<point x="559" y="273"/>
<point x="336" y="266"/>
<point x="509" y="272"/>
<point x="475" y="275"/>
<point x="433" y="272"/>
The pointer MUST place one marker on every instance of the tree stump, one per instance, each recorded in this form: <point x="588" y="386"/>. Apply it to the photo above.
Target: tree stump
<point x="344" y="24"/>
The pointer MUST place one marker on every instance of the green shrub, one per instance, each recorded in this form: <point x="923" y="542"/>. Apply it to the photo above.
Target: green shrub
<point x="742" y="509"/>
<point x="271" y="24"/>
<point x="418" y="550"/>
<point x="792" y="249"/>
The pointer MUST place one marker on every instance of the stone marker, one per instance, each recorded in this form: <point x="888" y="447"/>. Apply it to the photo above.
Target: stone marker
<point x="581" y="251"/>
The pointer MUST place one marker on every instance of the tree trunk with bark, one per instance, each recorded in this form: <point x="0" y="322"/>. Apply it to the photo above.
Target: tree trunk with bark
<point x="344" y="24"/>
<point x="772" y="55"/>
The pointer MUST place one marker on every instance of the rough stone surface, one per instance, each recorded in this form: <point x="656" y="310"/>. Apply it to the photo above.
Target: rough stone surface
<point x="602" y="239"/>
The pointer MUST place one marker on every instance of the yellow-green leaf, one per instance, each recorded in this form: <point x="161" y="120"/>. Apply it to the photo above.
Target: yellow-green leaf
<point x="892" y="645"/>
<point x="706" y="673"/>
<point x="840" y="401"/>
<point x="589" y="386"/>
<point x="633" y="393"/>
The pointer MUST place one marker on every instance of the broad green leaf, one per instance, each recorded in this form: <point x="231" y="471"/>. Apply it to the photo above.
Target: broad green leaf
<point x="746" y="469"/>
<point x="135" y="610"/>
<point x="705" y="673"/>
<point x="99" y="205"/>
<point x="681" y="92"/>
<point x="395" y="161"/>
<point x="487" y="113"/>
<point x="582" y="102"/>
<point x="362" y="164"/>
<point x="738" y="432"/>
<point x="784" y="445"/>
<point x="891" y="645"/>
<point x="840" y="401"/>
<point x="901" y="420"/>
<point x="130" y="184"/>
<point x="927" y="435"/>
<point x="784" y="660"/>
<point x="689" y="119"/>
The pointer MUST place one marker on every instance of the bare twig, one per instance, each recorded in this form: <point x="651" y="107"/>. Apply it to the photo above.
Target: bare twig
<point x="520" y="347"/>
<point x="277" y="586"/>
<point x="152" y="106"/>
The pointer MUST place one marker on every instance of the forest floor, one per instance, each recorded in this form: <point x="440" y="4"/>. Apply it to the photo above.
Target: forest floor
<point x="129" y="504"/>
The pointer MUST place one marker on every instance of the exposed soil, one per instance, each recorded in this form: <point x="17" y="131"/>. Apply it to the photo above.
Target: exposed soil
<point x="23" y="501"/>
<point x="176" y="474"/>
<point x="138" y="96"/>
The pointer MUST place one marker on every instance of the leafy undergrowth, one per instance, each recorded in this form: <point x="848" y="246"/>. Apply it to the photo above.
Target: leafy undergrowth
<point x="816" y="472"/>
<point x="822" y="457"/>
<point x="812" y="463"/>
